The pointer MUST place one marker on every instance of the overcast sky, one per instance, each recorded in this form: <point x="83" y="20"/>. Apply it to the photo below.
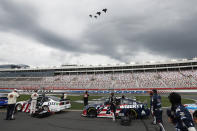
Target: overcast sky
<point x="51" y="33"/>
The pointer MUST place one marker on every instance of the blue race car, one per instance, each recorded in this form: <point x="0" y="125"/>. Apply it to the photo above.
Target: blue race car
<point x="193" y="110"/>
<point x="135" y="109"/>
<point x="3" y="100"/>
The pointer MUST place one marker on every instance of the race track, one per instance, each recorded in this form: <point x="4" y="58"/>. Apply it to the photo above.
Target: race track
<point x="72" y="121"/>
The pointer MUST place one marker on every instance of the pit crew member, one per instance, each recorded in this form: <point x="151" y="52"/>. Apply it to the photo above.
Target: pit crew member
<point x="12" y="97"/>
<point x="112" y="101"/>
<point x="34" y="98"/>
<point x="179" y="115"/>
<point x="157" y="110"/>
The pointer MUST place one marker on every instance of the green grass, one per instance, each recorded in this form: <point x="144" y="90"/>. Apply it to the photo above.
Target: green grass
<point x="165" y="101"/>
<point x="79" y="106"/>
<point x="23" y="97"/>
<point x="76" y="106"/>
<point x="80" y="97"/>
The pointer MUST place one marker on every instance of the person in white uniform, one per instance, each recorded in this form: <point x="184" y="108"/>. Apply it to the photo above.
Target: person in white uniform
<point x="34" y="98"/>
<point x="12" y="97"/>
<point x="65" y="96"/>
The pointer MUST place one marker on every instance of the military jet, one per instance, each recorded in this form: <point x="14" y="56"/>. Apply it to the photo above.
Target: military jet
<point x="98" y="13"/>
<point x="104" y="10"/>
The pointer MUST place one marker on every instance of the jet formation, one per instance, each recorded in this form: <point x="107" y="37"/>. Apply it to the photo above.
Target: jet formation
<point x="98" y="13"/>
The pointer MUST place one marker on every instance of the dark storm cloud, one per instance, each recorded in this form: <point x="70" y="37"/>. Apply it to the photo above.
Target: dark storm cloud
<point x="171" y="42"/>
<point x="119" y="36"/>
<point x="20" y="18"/>
<point x="150" y="32"/>
<point x="178" y="41"/>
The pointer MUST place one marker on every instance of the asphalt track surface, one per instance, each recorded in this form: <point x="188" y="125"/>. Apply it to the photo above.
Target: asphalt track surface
<point x="72" y="121"/>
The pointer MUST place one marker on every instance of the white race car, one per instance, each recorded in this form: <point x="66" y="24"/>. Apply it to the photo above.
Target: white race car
<point x="47" y="103"/>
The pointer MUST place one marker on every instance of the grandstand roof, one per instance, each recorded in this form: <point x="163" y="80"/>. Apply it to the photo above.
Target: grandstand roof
<point x="133" y="66"/>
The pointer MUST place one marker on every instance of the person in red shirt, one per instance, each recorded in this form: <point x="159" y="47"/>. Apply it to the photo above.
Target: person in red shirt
<point x="85" y="98"/>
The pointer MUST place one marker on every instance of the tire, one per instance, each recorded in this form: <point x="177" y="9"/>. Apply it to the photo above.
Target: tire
<point x="91" y="112"/>
<point x="133" y="114"/>
<point x="45" y="108"/>
<point x="18" y="107"/>
<point x="195" y="116"/>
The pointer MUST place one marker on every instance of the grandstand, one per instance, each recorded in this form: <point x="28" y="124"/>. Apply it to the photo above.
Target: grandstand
<point x="175" y="75"/>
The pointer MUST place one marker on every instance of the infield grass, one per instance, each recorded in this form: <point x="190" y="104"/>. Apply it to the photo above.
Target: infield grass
<point x="79" y="106"/>
<point x="165" y="101"/>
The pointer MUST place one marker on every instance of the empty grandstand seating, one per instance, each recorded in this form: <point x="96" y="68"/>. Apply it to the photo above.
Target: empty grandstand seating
<point x="164" y="79"/>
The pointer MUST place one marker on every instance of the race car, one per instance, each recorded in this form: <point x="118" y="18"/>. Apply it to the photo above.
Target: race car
<point x="3" y="100"/>
<point x="136" y="109"/>
<point x="193" y="110"/>
<point x="47" y="103"/>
